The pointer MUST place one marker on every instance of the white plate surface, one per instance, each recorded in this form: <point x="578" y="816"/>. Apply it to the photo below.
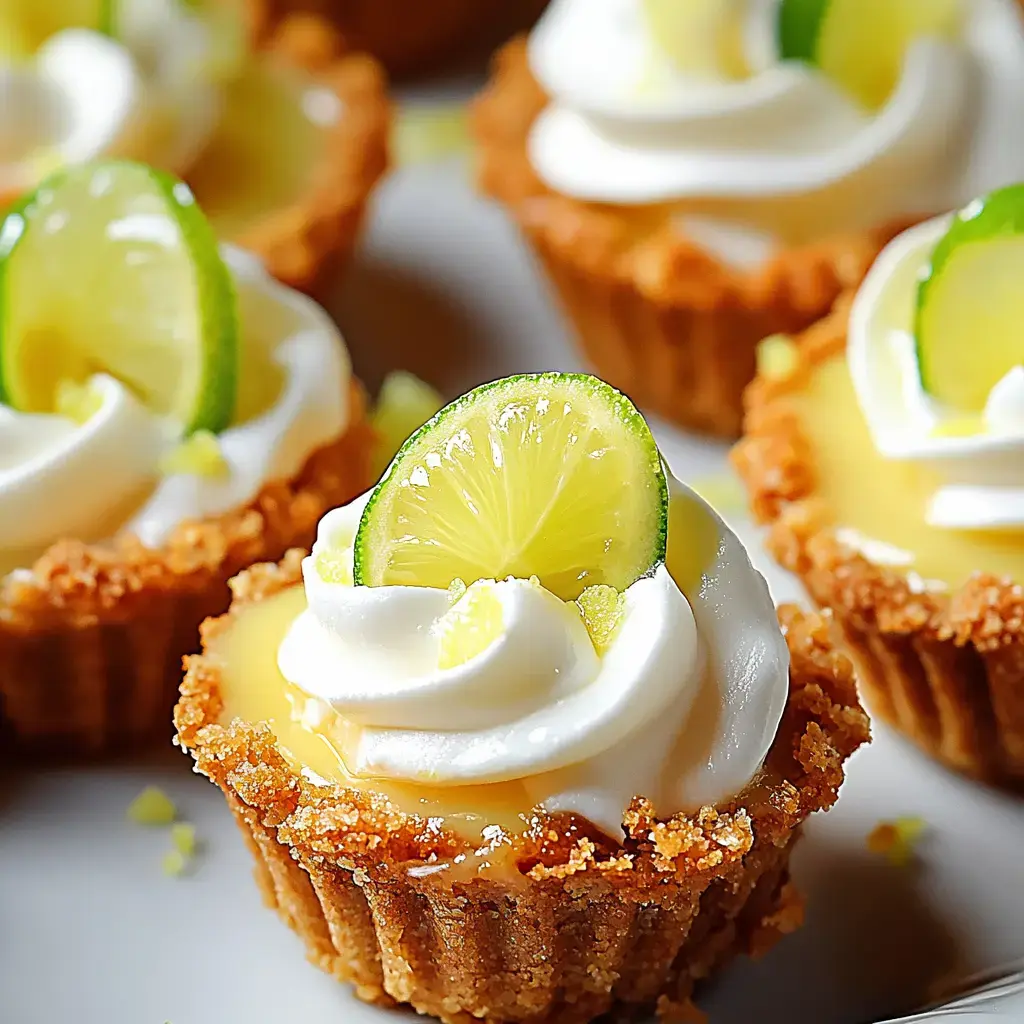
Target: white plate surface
<point x="92" y="932"/>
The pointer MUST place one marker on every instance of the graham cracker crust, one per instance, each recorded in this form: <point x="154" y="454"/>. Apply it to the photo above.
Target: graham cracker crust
<point x="92" y="638"/>
<point x="945" y="668"/>
<point x="564" y="924"/>
<point x="656" y="315"/>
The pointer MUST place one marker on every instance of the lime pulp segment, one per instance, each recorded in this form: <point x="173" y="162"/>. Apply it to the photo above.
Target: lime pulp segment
<point x="970" y="306"/>
<point x="112" y="268"/>
<point x="550" y="475"/>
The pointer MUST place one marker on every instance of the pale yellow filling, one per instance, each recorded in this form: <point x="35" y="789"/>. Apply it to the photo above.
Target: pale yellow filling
<point x="261" y="158"/>
<point x="313" y="736"/>
<point x="885" y="500"/>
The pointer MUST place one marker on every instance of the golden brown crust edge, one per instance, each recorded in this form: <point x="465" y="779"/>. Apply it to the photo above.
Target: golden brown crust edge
<point x="303" y="244"/>
<point x="658" y="316"/>
<point x="947" y="668"/>
<point x="637" y="920"/>
<point x="91" y="640"/>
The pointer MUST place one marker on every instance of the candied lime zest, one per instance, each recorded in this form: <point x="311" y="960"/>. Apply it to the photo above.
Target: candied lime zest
<point x="897" y="840"/>
<point x="601" y="610"/>
<point x="78" y="402"/>
<point x="152" y="807"/>
<point x="470" y="626"/>
<point x="174" y="863"/>
<point x="777" y="357"/>
<point x="199" y="454"/>
<point x="423" y="134"/>
<point x="334" y="566"/>
<point x="404" y="404"/>
<point x="456" y="590"/>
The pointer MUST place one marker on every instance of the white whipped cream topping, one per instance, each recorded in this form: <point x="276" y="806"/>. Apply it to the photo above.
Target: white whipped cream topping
<point x="151" y="94"/>
<point x="91" y="480"/>
<point x="784" y="147"/>
<point x="981" y="475"/>
<point x="681" y="708"/>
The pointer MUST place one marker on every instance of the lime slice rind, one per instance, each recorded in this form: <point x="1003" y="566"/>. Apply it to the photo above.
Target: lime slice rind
<point x="41" y="301"/>
<point x="799" y="27"/>
<point x="489" y="524"/>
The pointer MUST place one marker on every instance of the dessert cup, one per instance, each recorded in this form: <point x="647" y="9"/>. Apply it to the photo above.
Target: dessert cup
<point x="552" y="793"/>
<point x="558" y="924"/>
<point x="940" y="663"/>
<point x="411" y="38"/>
<point x="282" y="145"/>
<point x="648" y="201"/>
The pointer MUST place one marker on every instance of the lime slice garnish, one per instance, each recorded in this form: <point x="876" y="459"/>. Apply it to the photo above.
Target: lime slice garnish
<point x="26" y="24"/>
<point x="970" y="306"/>
<point x="112" y="268"/>
<point x="861" y="44"/>
<point x="552" y="474"/>
<point x="701" y="37"/>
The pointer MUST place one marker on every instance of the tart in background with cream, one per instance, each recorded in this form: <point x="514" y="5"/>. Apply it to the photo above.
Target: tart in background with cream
<point x="688" y="201"/>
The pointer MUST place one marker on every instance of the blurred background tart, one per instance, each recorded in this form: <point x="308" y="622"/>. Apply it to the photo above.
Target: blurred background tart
<point x="281" y="151"/>
<point x="695" y="176"/>
<point x="169" y="414"/>
<point x="884" y="446"/>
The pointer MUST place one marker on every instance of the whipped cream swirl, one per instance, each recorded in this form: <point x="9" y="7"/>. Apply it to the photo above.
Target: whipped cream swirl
<point x="784" y="149"/>
<point x="681" y="707"/>
<point x="979" y="477"/>
<point x="151" y="94"/>
<point x="59" y="478"/>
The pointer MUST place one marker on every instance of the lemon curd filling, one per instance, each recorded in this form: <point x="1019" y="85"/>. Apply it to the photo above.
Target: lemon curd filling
<point x="273" y="130"/>
<point x="885" y="499"/>
<point x="315" y="737"/>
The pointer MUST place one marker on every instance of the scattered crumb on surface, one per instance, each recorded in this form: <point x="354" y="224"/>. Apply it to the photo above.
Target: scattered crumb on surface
<point x="183" y="836"/>
<point x="896" y="840"/>
<point x="152" y="807"/>
<point x="174" y="863"/>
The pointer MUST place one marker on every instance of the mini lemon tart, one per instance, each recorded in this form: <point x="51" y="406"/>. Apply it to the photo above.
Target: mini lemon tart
<point x="885" y="447"/>
<point x="282" y="146"/>
<point x="169" y="414"/>
<point x="694" y="175"/>
<point x="497" y="746"/>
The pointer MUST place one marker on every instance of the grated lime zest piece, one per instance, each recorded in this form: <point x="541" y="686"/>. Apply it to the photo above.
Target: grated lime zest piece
<point x="601" y="609"/>
<point x="472" y="624"/>
<point x="404" y="404"/>
<point x="777" y="357"/>
<point x="199" y="454"/>
<point x="152" y="807"/>
<point x="423" y="134"/>
<point x="897" y="840"/>
<point x="174" y="863"/>
<point x="183" y="836"/>
<point x="77" y="402"/>
<point x="335" y="566"/>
